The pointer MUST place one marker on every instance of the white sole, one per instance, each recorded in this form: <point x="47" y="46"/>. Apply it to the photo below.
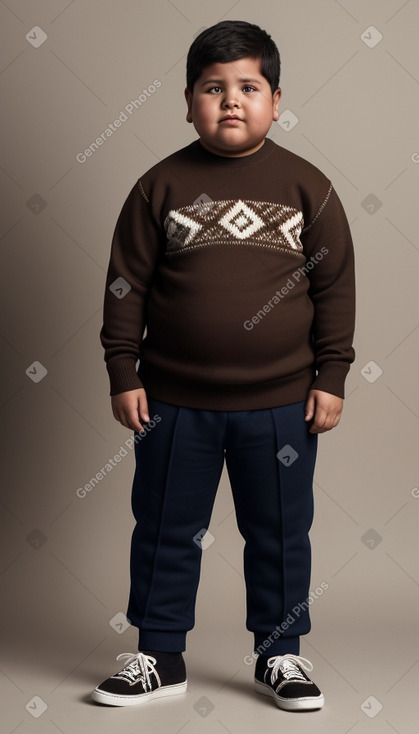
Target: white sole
<point x="112" y="699"/>
<point x="291" y="704"/>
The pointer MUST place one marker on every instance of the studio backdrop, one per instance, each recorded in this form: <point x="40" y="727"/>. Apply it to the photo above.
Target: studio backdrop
<point x="92" y="97"/>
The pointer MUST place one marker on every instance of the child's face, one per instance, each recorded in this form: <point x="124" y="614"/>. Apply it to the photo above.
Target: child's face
<point x="236" y="90"/>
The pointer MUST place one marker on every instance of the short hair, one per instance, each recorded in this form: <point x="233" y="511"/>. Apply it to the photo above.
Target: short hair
<point x="231" y="40"/>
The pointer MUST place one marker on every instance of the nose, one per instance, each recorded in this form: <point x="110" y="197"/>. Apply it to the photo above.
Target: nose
<point x="230" y="100"/>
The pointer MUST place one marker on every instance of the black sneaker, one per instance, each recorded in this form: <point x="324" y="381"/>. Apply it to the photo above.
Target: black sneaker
<point x="139" y="681"/>
<point x="283" y="678"/>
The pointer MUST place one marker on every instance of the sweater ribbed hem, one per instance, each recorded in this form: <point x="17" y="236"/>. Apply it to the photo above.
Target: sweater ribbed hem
<point x="274" y="393"/>
<point x="168" y="388"/>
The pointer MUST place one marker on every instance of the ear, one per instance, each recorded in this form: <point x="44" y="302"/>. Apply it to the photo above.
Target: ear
<point x="188" y="97"/>
<point x="275" y="103"/>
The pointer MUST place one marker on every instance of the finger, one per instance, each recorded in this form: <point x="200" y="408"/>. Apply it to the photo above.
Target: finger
<point x="143" y="408"/>
<point x="129" y="419"/>
<point x="319" y="421"/>
<point x="316" y="429"/>
<point x="309" y="408"/>
<point x="325" y="423"/>
<point x="134" y="422"/>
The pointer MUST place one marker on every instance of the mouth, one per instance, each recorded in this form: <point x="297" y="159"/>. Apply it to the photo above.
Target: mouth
<point x="229" y="118"/>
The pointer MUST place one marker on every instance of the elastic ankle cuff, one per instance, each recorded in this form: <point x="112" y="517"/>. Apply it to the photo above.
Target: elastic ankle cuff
<point x="282" y="646"/>
<point x="162" y="641"/>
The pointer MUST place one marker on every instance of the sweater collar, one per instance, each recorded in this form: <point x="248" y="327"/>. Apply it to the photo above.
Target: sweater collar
<point x="264" y="151"/>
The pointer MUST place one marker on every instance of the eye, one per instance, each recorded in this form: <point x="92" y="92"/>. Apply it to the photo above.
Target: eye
<point x="249" y="88"/>
<point x="214" y="90"/>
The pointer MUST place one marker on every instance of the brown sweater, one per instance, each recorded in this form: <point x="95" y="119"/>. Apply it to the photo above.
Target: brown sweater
<point x="241" y="270"/>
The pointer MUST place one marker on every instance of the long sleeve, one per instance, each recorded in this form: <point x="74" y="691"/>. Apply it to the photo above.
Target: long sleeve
<point x="327" y="244"/>
<point x="217" y="293"/>
<point x="134" y="254"/>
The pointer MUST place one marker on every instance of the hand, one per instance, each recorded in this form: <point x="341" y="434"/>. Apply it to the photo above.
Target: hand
<point x="129" y="407"/>
<point x="324" y="408"/>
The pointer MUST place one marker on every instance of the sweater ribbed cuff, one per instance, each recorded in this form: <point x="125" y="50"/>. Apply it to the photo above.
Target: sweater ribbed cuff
<point x="123" y="376"/>
<point x="331" y="378"/>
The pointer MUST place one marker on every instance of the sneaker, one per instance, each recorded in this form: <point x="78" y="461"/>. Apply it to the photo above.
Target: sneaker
<point x="283" y="678"/>
<point x="139" y="680"/>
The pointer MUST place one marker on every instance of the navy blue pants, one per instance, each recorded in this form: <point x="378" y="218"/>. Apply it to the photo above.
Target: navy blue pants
<point x="270" y="457"/>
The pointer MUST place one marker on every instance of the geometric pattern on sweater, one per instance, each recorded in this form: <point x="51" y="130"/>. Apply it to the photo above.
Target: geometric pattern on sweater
<point x="234" y="222"/>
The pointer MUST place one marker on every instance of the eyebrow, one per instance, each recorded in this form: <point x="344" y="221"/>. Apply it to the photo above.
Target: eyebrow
<point x="221" y="81"/>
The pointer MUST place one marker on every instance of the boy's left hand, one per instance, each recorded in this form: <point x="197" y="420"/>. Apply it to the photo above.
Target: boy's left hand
<point x="324" y="408"/>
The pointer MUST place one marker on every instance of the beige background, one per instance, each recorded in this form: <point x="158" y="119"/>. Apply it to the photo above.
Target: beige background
<point x="64" y="566"/>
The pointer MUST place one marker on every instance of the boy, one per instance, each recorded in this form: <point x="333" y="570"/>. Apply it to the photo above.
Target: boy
<point x="236" y="255"/>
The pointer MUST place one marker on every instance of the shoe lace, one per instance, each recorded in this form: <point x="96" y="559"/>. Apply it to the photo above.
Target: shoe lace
<point x="288" y="666"/>
<point x="137" y="669"/>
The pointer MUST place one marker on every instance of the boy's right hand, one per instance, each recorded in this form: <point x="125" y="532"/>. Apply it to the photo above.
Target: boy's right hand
<point x="131" y="407"/>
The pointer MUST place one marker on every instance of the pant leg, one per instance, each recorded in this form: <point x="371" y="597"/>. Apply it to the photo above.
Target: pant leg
<point x="274" y="510"/>
<point x="178" y="468"/>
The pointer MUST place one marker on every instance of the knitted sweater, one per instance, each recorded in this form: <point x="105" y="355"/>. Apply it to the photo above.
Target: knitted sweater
<point x="241" y="272"/>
